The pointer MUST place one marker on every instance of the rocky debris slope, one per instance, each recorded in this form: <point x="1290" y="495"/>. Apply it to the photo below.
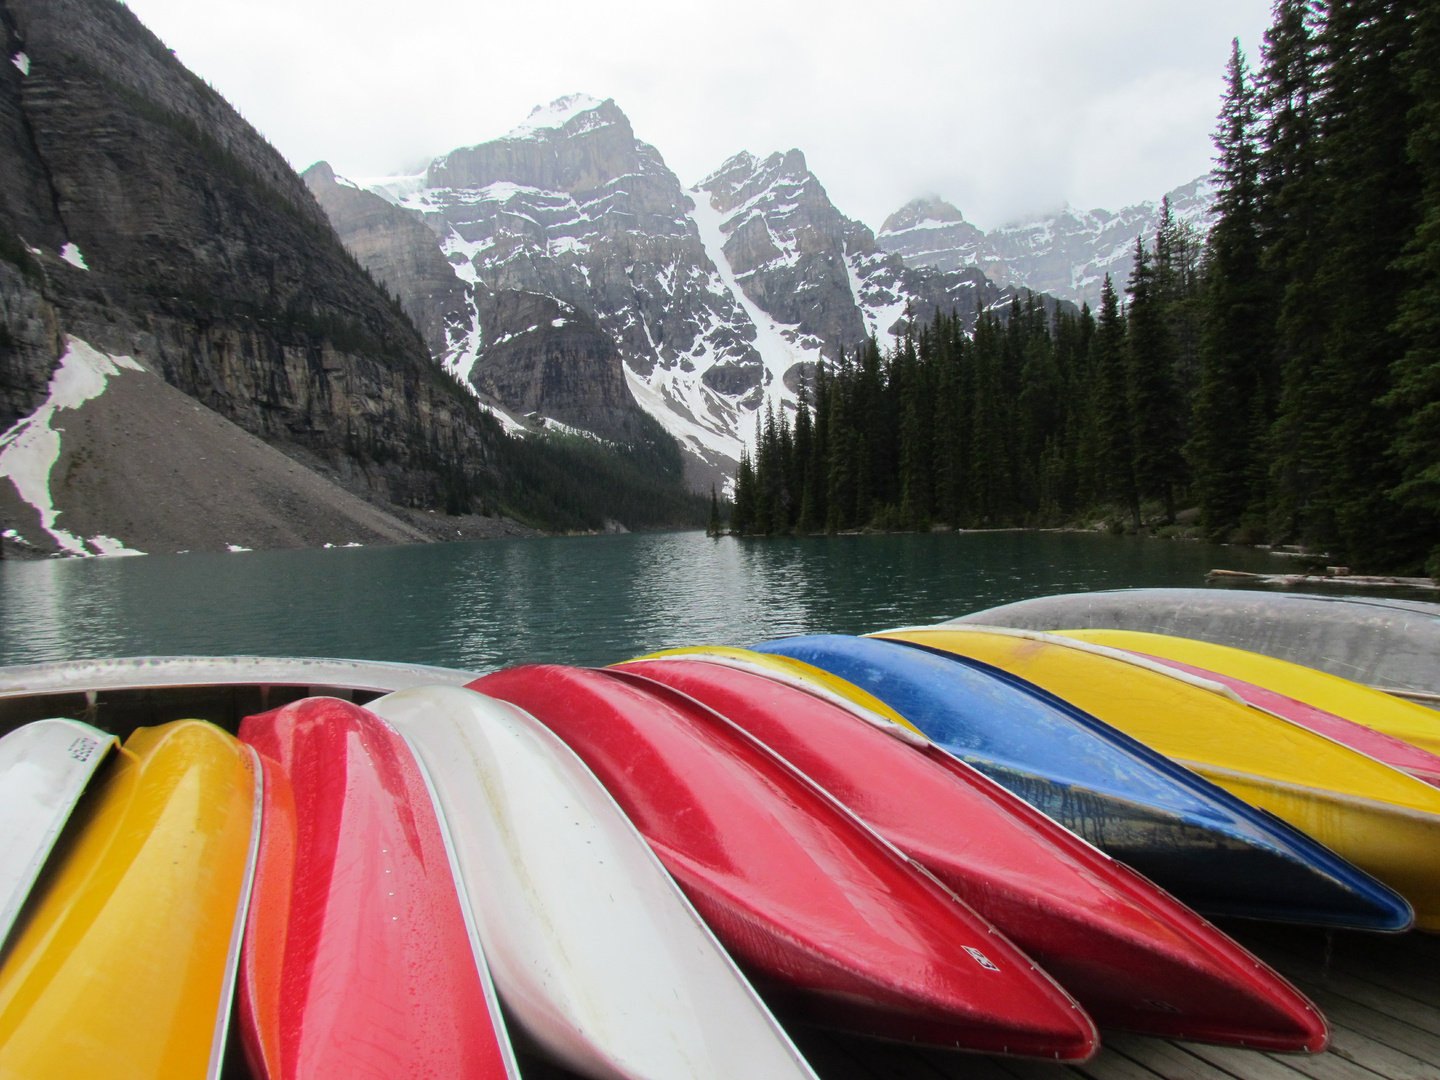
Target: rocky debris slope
<point x="139" y="212"/>
<point x="143" y="468"/>
<point x="1066" y="254"/>
<point x="707" y="302"/>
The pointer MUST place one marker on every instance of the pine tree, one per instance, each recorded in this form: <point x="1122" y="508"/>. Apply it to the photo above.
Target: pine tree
<point x="1234" y="408"/>
<point x="1291" y="210"/>
<point x="1114" y="431"/>
<point x="714" y="526"/>
<point x="1153" y="395"/>
<point x="742" y="517"/>
<point x="1416" y="393"/>
<point x="1371" y="191"/>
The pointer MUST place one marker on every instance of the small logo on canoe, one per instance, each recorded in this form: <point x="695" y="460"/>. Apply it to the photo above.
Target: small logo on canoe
<point x="82" y="748"/>
<point x="981" y="959"/>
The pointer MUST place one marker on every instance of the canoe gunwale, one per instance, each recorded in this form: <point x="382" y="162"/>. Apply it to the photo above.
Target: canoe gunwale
<point x="237" y="930"/>
<point x="106" y="744"/>
<point x="167" y="672"/>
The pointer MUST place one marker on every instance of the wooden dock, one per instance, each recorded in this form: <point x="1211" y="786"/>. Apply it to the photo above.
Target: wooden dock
<point x="1381" y="994"/>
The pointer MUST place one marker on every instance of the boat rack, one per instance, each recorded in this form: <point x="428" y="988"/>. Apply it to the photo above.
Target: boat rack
<point x="118" y="696"/>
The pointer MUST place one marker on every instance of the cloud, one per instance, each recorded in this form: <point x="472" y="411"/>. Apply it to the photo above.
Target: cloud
<point x="1002" y="109"/>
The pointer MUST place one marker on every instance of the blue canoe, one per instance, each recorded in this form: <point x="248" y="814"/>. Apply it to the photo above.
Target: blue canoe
<point x="1189" y="836"/>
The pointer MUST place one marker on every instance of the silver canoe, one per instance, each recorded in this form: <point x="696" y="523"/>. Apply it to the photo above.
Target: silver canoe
<point x="1388" y="644"/>
<point x="593" y="948"/>
<point x="44" y="767"/>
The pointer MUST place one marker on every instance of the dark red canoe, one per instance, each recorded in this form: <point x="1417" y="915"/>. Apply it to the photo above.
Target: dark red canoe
<point x="1135" y="957"/>
<point x="357" y="961"/>
<point x="813" y="903"/>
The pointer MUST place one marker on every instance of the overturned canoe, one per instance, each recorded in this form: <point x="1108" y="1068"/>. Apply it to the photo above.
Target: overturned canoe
<point x="1378" y="641"/>
<point x="1385" y="713"/>
<point x="1394" y="752"/>
<point x="1383" y="821"/>
<point x="803" y="894"/>
<point x="44" y="767"/>
<point x="1132" y="955"/>
<point x="595" y="951"/>
<point x="124" y="967"/>
<point x="1191" y="837"/>
<point x="357" y="960"/>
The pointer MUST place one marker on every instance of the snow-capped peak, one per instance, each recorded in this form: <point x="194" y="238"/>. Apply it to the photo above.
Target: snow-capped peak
<point x="555" y="115"/>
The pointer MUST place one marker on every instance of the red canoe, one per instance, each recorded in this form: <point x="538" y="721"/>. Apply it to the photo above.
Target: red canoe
<point x="1135" y="957"/>
<point x="357" y="961"/>
<point x="1394" y="752"/>
<point x="811" y="901"/>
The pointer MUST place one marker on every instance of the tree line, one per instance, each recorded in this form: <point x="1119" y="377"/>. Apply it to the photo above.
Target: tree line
<point x="1280" y="374"/>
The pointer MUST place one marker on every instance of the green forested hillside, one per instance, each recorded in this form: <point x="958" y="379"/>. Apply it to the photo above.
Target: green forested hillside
<point x="1281" y="374"/>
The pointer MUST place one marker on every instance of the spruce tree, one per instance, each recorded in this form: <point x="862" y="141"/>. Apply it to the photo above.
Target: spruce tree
<point x="1416" y="394"/>
<point x="1152" y="393"/>
<point x="1114" y="431"/>
<point x="714" y="526"/>
<point x="1233" y="408"/>
<point x="1371" y="192"/>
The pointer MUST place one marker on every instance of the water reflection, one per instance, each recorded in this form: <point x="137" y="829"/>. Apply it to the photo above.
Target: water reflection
<point x="586" y="600"/>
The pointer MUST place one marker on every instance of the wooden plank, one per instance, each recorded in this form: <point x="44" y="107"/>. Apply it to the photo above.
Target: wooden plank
<point x="957" y="1066"/>
<point x="1165" y="1058"/>
<point x="1381" y="1058"/>
<point x="1112" y="1065"/>
<point x="1392" y="1002"/>
<point x="1329" y="1066"/>
<point x="1247" y="1064"/>
<point x="1025" y="1069"/>
<point x="1351" y="1021"/>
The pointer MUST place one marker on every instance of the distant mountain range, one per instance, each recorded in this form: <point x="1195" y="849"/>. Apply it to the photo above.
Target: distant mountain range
<point x="569" y="238"/>
<point x="1066" y="254"/>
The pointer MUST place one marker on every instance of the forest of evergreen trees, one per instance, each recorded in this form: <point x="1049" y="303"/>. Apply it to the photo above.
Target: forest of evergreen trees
<point x="1282" y="374"/>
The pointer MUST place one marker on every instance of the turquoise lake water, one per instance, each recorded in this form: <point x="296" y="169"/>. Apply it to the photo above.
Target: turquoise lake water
<point x="578" y="600"/>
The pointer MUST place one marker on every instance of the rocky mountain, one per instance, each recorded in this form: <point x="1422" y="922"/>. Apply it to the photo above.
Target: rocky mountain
<point x="150" y="241"/>
<point x="707" y="302"/>
<point x="1065" y="254"/>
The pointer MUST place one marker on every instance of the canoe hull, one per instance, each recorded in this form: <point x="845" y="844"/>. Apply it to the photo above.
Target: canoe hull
<point x="357" y="959"/>
<point x="803" y="894"/>
<point x="123" y="968"/>
<point x="1134" y="957"/>
<point x="597" y="954"/>
<point x="1192" y="838"/>
<point x="44" y="767"/>
<point x="1383" y="821"/>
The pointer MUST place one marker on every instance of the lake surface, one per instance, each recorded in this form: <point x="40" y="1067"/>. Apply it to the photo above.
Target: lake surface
<point x="577" y="600"/>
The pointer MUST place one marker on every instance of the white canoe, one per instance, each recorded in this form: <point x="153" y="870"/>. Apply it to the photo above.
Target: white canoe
<point x="593" y="948"/>
<point x="44" y="767"/>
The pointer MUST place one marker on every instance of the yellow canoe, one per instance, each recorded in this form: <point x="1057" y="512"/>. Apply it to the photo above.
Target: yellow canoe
<point x="123" y="965"/>
<point x="1354" y="701"/>
<point x="1382" y="820"/>
<point x="796" y="673"/>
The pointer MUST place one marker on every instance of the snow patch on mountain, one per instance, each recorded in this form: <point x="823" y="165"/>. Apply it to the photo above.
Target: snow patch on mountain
<point x="555" y="115"/>
<point x="779" y="344"/>
<point x="29" y="450"/>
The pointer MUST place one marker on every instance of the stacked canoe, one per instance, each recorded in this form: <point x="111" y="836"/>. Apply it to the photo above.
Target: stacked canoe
<point x="973" y="837"/>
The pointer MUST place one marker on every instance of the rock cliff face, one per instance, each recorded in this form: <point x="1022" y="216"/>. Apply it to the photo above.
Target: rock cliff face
<point x="401" y="255"/>
<point x="1066" y="254"/>
<point x="142" y="214"/>
<point x="712" y="300"/>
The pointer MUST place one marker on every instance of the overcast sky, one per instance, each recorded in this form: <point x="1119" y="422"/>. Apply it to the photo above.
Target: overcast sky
<point x="1005" y="109"/>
